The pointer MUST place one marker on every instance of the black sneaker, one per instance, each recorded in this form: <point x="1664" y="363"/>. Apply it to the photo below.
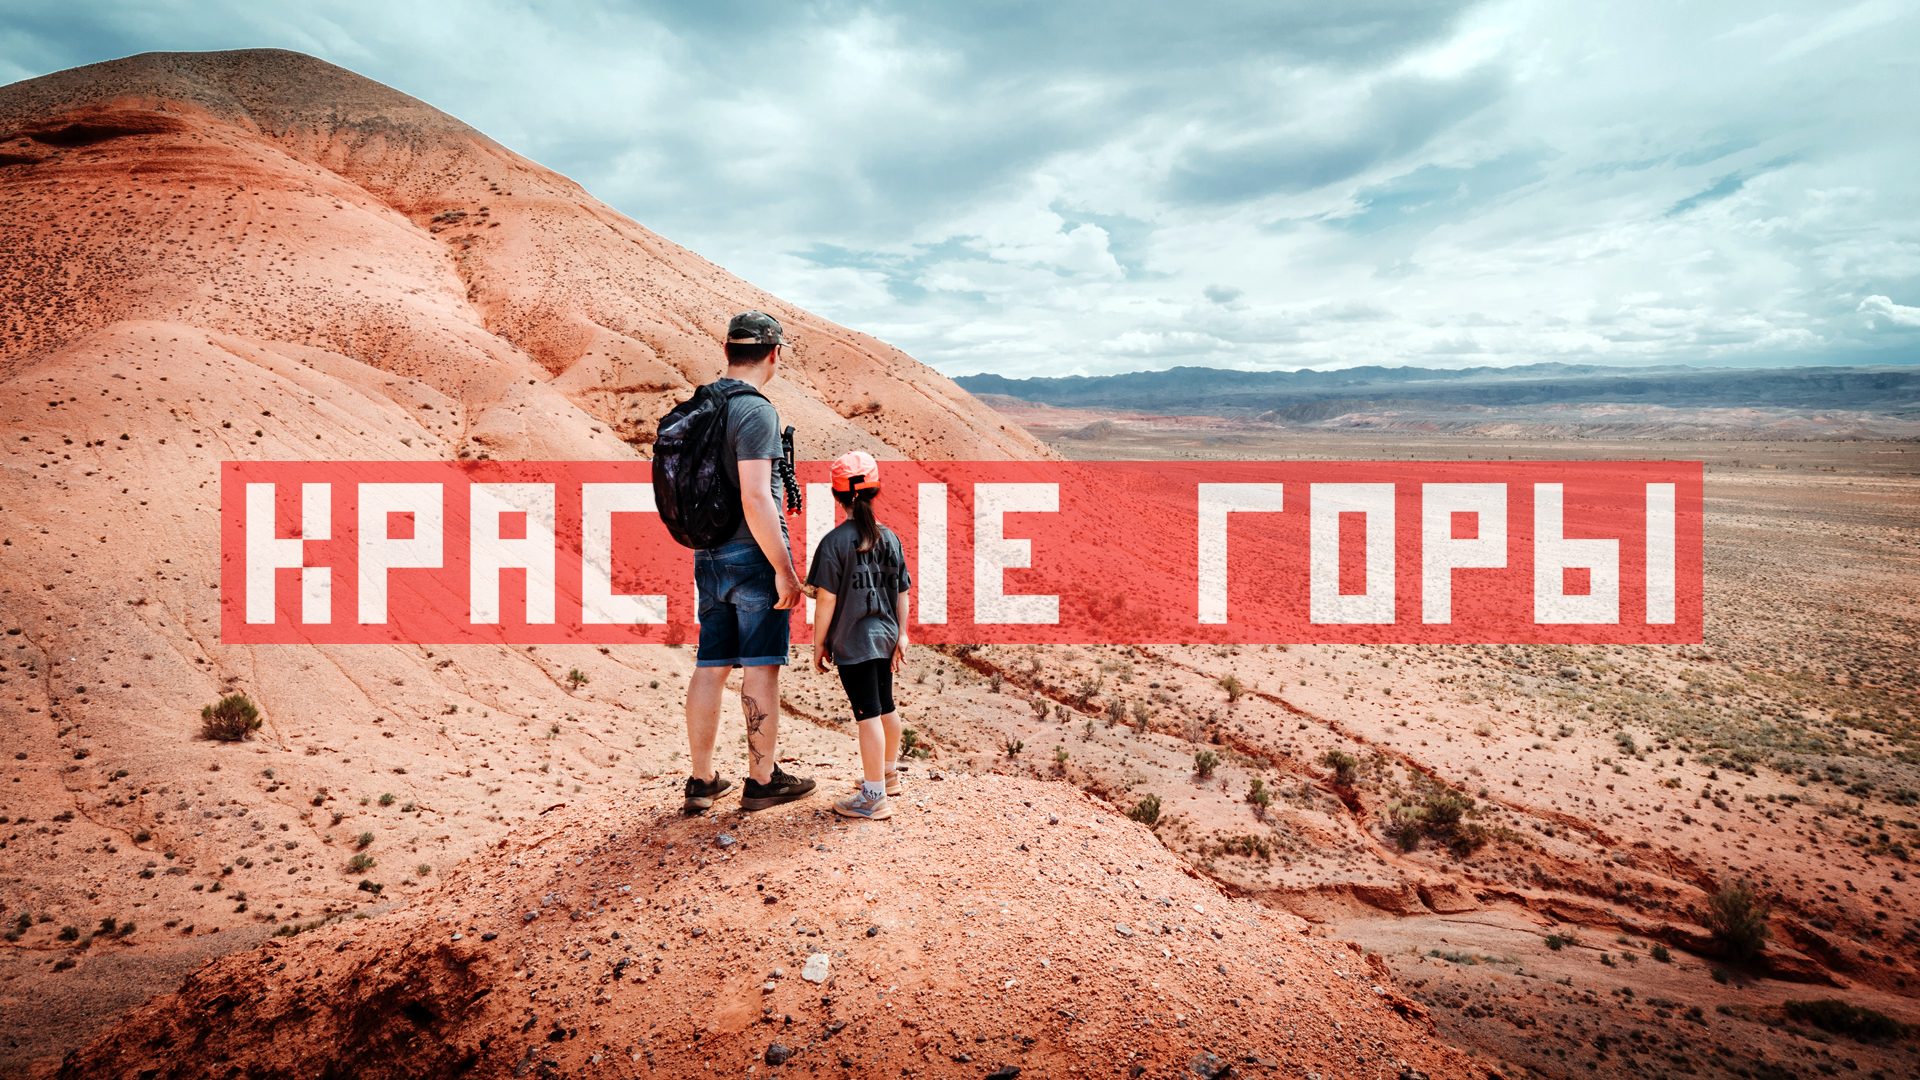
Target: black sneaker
<point x="779" y="788"/>
<point x="701" y="793"/>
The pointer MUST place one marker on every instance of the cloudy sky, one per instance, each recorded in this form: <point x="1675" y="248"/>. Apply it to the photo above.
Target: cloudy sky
<point x="1051" y="188"/>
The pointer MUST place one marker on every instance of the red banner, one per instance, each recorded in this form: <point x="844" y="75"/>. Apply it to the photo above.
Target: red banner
<point x="1011" y="552"/>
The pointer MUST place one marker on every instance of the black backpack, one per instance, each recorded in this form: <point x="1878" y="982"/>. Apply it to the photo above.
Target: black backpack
<point x="697" y="495"/>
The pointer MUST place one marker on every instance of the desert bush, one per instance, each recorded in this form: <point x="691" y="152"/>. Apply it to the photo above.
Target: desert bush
<point x="577" y="679"/>
<point x="1233" y="686"/>
<point x="1444" y="809"/>
<point x="1116" y="711"/>
<point x="1059" y="759"/>
<point x="1662" y="954"/>
<point x="1344" y="765"/>
<point x="1146" y="811"/>
<point x="1438" y="817"/>
<point x="364" y="841"/>
<point x="1556" y="942"/>
<point x="231" y="719"/>
<point x="1406" y="825"/>
<point x="1843" y="1018"/>
<point x="1205" y="762"/>
<point x="1250" y="846"/>
<point x="1088" y="687"/>
<point x="360" y="863"/>
<point x="1258" y="795"/>
<point x="1737" y="919"/>
<point x="1013" y="747"/>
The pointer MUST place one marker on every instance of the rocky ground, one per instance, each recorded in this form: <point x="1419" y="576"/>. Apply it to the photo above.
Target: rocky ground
<point x="994" y="926"/>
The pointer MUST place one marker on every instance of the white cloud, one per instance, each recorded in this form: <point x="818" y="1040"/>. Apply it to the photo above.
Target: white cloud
<point x="1269" y="187"/>
<point x="1884" y="308"/>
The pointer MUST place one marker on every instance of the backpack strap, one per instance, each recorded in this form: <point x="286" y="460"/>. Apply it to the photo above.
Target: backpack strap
<point x="732" y="392"/>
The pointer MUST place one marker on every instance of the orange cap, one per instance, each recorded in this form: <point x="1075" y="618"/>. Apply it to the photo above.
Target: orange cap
<point x="855" y="470"/>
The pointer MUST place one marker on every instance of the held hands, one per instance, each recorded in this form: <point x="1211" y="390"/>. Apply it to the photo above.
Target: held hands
<point x="787" y="584"/>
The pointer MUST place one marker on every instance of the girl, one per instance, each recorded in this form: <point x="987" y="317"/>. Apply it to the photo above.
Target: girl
<point x="859" y="577"/>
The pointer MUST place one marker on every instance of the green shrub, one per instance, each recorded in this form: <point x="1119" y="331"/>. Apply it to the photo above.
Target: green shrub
<point x="1146" y="811"/>
<point x="577" y="679"/>
<point x="910" y="743"/>
<point x="1258" y="795"/>
<point x="231" y="719"/>
<point x="1662" y="954"/>
<point x="1344" y="765"/>
<point x="360" y="863"/>
<point x="1205" y="762"/>
<point x="1233" y="686"/>
<point x="1444" y="809"/>
<point x="1438" y="817"/>
<point x="1843" y="1018"/>
<point x="1737" y="919"/>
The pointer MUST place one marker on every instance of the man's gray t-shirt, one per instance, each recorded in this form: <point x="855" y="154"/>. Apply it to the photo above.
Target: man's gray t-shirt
<point x="753" y="431"/>
<point x="865" y="585"/>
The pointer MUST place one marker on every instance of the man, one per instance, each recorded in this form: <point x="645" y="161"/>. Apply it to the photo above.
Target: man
<point x="747" y="587"/>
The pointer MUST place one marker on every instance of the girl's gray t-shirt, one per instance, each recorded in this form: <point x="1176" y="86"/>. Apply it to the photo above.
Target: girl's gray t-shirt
<point x="865" y="585"/>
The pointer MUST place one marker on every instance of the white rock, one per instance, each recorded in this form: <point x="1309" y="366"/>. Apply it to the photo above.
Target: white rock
<point x="816" y="969"/>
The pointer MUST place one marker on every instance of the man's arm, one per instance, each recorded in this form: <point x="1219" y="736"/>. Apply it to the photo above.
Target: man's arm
<point x="763" y="519"/>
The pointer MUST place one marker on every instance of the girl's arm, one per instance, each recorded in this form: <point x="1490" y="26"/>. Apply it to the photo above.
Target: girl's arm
<point x="900" y="646"/>
<point x="823" y="602"/>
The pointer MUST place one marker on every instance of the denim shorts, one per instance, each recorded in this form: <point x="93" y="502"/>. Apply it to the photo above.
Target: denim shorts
<point x="739" y="626"/>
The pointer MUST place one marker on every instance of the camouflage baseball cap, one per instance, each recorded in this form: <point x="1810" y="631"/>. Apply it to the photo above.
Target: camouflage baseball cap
<point x="754" y="328"/>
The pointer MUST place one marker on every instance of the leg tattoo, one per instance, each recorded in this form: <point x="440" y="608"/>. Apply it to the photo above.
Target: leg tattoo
<point x="756" y="716"/>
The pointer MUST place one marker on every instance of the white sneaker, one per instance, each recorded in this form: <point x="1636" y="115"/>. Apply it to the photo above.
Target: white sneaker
<point x="858" y="805"/>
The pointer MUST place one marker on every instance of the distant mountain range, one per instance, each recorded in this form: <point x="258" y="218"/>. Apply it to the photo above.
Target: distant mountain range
<point x="1311" y="396"/>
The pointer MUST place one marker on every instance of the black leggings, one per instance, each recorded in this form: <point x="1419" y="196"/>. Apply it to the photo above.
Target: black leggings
<point x="869" y="687"/>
